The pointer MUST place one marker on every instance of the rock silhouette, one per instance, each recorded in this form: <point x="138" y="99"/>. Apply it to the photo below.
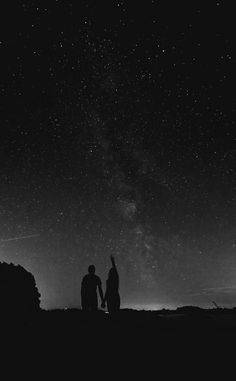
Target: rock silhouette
<point x="18" y="291"/>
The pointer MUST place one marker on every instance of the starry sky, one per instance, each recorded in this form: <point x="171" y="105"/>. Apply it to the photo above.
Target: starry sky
<point x="117" y="137"/>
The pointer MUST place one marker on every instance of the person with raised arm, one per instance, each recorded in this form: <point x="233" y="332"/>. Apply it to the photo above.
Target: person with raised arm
<point x="112" y="297"/>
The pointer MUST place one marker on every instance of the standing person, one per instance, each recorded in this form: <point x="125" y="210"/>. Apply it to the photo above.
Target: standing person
<point x="112" y="297"/>
<point x="90" y="283"/>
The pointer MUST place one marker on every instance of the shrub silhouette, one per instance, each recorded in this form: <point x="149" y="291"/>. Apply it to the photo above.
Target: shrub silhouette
<point x="18" y="290"/>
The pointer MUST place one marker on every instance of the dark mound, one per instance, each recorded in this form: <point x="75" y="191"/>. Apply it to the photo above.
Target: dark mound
<point x="18" y="290"/>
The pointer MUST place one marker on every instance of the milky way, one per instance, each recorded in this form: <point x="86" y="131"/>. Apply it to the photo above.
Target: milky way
<point x="118" y="138"/>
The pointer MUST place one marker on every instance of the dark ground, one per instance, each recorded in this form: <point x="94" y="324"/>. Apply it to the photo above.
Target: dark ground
<point x="169" y="343"/>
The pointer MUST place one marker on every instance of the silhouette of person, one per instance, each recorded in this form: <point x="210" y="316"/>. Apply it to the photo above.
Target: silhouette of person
<point x="112" y="297"/>
<point x="90" y="283"/>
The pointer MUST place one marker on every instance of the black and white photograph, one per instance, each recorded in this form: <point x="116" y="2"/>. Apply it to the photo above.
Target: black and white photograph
<point x="117" y="180"/>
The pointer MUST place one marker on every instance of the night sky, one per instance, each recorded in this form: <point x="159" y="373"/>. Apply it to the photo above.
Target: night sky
<point x="117" y="128"/>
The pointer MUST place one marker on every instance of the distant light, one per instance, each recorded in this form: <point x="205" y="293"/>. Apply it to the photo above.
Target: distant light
<point x="146" y="307"/>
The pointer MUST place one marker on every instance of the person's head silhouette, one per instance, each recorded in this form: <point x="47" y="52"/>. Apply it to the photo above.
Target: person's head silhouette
<point x="91" y="269"/>
<point x="112" y="274"/>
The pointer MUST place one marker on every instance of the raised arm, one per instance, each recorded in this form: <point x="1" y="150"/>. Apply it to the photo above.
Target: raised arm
<point x="113" y="262"/>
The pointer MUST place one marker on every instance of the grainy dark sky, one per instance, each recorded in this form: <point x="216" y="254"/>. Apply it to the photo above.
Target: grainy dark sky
<point x="117" y="130"/>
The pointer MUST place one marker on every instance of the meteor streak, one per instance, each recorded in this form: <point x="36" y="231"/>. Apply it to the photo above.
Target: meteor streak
<point x="20" y="237"/>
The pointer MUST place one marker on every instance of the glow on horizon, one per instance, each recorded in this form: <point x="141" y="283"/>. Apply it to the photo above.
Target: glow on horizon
<point x="148" y="306"/>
